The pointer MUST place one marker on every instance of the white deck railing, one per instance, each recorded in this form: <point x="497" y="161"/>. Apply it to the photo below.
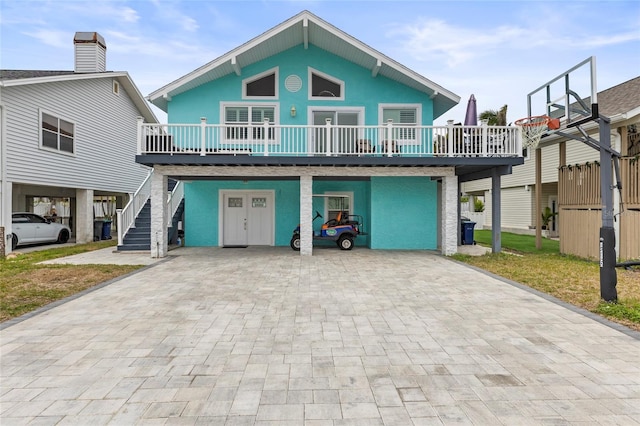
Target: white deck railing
<point x="126" y="217"/>
<point x="329" y="140"/>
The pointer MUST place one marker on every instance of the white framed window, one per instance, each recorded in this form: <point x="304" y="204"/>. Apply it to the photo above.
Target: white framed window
<point x="406" y="118"/>
<point x="244" y="123"/>
<point x="116" y="87"/>
<point x="325" y="87"/>
<point x="56" y="133"/>
<point x="261" y="86"/>
<point x="343" y="202"/>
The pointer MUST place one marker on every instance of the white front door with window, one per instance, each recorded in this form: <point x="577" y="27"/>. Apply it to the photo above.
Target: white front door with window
<point x="247" y="218"/>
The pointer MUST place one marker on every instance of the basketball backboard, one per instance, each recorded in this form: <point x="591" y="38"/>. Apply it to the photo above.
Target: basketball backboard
<point x="570" y="97"/>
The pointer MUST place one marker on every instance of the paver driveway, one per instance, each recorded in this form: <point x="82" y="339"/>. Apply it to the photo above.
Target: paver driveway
<point x="263" y="336"/>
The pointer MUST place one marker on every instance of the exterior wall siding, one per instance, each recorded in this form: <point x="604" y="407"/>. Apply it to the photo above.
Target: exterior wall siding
<point x="202" y="209"/>
<point x="105" y="136"/>
<point x="404" y="213"/>
<point x="359" y="86"/>
<point x="378" y="202"/>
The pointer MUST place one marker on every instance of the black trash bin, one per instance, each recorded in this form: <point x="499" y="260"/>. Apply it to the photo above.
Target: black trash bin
<point x="97" y="229"/>
<point x="106" y="230"/>
<point x="467" y="232"/>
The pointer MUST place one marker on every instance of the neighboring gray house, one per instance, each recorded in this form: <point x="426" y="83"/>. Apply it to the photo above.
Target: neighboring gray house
<point x="621" y="103"/>
<point x="69" y="135"/>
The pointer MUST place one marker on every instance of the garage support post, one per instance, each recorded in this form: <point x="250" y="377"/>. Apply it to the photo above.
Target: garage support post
<point x="450" y="223"/>
<point x="159" y="243"/>
<point x="6" y="189"/>
<point x="306" y="215"/>
<point x="84" y="215"/>
<point x="496" y="217"/>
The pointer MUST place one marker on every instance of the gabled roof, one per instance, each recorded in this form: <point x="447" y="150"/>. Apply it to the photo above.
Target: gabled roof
<point x="306" y="28"/>
<point x="620" y="99"/>
<point x="10" y="78"/>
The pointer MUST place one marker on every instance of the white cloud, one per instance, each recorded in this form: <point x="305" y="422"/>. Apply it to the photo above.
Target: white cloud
<point x="435" y="39"/>
<point x="129" y="15"/>
<point x="55" y="38"/>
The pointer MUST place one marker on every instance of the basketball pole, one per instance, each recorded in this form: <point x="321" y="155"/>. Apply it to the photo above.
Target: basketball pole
<point x="607" y="248"/>
<point x="607" y="242"/>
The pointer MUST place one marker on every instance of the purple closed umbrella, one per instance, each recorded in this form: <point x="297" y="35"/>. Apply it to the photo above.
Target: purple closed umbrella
<point x="471" y="118"/>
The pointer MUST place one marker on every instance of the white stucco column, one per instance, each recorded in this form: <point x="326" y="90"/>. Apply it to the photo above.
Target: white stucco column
<point x="159" y="243"/>
<point x="306" y="219"/>
<point x="84" y="216"/>
<point x="449" y="215"/>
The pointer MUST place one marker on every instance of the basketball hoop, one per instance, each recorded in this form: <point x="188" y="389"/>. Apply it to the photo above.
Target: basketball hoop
<point x="534" y="127"/>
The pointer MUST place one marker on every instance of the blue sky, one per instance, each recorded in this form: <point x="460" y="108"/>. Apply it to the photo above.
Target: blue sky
<point x="498" y="50"/>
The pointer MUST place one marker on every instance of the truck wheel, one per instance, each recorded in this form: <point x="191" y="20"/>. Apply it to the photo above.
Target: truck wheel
<point x="345" y="242"/>
<point x="295" y="242"/>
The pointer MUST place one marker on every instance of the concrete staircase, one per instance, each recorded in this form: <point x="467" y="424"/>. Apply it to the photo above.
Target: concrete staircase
<point x="139" y="238"/>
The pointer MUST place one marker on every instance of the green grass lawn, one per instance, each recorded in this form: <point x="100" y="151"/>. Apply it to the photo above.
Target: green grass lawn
<point x="569" y="278"/>
<point x="518" y="243"/>
<point x="26" y="285"/>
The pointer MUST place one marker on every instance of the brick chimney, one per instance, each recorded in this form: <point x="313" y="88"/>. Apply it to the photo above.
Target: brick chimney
<point x="90" y="52"/>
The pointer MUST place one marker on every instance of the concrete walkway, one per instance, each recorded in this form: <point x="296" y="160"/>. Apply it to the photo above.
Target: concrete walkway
<point x="266" y="337"/>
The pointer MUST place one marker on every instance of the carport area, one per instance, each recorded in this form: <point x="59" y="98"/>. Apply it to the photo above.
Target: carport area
<point x="260" y="335"/>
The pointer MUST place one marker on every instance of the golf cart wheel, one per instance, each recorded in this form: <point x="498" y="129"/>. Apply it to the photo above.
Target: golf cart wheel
<point x="295" y="242"/>
<point x="63" y="236"/>
<point x="14" y="241"/>
<point x="345" y="242"/>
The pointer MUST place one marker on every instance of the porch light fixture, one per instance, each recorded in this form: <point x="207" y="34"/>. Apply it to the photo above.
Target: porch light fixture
<point x="293" y="110"/>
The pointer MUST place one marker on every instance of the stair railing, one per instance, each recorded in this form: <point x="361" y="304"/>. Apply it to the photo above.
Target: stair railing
<point x="126" y="217"/>
<point x="173" y="201"/>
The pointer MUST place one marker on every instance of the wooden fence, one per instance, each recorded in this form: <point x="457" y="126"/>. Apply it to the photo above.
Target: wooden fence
<point x="580" y="204"/>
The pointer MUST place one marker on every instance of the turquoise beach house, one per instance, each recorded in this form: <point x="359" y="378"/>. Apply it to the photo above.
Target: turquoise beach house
<point x="303" y="119"/>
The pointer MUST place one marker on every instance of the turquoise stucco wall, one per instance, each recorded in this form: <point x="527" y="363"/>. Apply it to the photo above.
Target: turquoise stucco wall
<point x="404" y="213"/>
<point x="361" y="89"/>
<point x="202" y="207"/>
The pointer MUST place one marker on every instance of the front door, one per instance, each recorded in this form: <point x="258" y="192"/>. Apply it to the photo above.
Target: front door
<point x="247" y="218"/>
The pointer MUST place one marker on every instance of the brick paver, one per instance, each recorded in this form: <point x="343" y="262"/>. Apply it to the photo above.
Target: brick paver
<point x="264" y="336"/>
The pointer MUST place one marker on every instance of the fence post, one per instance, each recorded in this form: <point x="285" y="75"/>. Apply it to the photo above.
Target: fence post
<point x="265" y="137"/>
<point x="389" y="139"/>
<point x="140" y="135"/>
<point x="484" y="137"/>
<point x="449" y="138"/>
<point x="118" y="222"/>
<point x="203" y="135"/>
<point x="327" y="137"/>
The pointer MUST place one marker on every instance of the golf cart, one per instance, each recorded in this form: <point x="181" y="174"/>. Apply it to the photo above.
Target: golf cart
<point x="343" y="229"/>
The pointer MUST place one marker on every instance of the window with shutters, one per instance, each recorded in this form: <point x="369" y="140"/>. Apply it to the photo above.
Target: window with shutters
<point x="245" y="123"/>
<point x="261" y="86"/>
<point x="405" y="119"/>
<point x="56" y="134"/>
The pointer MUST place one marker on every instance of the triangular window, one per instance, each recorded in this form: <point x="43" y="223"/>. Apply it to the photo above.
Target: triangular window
<point x="324" y="86"/>
<point x="263" y="85"/>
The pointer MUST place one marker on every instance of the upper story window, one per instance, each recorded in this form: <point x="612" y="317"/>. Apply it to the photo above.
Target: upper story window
<point x="56" y="133"/>
<point x="323" y="86"/>
<point x="245" y="123"/>
<point x="405" y="119"/>
<point x="261" y="86"/>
